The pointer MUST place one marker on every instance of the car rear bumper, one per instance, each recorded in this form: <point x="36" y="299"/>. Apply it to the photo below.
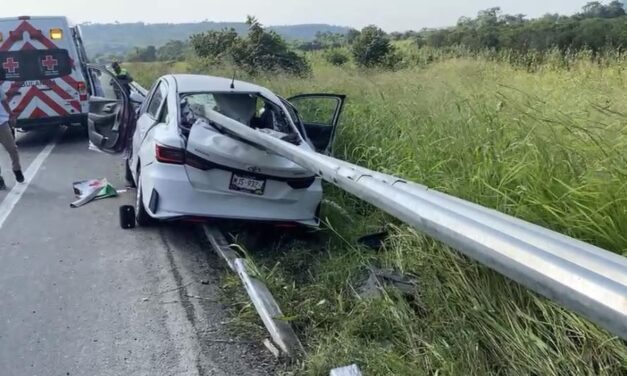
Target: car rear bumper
<point x="34" y="124"/>
<point x="168" y="194"/>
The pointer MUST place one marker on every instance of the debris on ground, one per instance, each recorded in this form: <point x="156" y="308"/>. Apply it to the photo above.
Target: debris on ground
<point x="374" y="241"/>
<point x="93" y="147"/>
<point x="379" y="279"/>
<point x="90" y="190"/>
<point x="352" y="370"/>
<point x="272" y="348"/>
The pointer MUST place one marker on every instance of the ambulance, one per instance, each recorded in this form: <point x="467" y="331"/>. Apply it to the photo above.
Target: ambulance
<point x="43" y="70"/>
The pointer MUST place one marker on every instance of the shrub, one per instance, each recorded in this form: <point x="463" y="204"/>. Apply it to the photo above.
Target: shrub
<point x="336" y="57"/>
<point x="372" y="48"/>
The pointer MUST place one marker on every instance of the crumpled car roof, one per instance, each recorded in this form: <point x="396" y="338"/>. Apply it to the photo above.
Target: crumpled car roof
<point x="190" y="83"/>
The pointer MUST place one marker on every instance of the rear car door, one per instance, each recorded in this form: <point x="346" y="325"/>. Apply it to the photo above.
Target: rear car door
<point x="320" y="115"/>
<point x="111" y="116"/>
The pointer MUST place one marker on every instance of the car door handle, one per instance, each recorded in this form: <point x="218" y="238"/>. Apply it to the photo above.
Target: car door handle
<point x="108" y="108"/>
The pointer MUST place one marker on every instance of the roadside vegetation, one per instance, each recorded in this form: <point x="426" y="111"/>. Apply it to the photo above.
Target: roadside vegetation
<point x="541" y="135"/>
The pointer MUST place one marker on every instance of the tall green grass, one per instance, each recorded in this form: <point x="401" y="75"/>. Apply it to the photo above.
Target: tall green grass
<point x="549" y="147"/>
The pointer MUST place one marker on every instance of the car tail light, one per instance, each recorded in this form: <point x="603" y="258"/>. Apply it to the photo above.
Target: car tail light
<point x="82" y="91"/>
<point x="197" y="162"/>
<point x="303" y="183"/>
<point x="170" y="155"/>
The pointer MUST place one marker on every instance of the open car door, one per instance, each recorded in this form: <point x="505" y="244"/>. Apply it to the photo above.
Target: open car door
<point x="320" y="115"/>
<point x="111" y="115"/>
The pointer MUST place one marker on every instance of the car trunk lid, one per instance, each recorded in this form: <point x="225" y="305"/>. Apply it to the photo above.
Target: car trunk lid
<point x="208" y="150"/>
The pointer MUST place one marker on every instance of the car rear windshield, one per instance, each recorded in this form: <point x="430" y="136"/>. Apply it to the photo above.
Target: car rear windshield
<point x="248" y="108"/>
<point x="30" y="65"/>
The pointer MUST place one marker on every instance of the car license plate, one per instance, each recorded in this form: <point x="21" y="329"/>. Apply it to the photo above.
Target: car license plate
<point x="247" y="184"/>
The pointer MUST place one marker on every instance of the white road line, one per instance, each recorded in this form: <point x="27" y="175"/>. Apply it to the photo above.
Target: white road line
<point x="13" y="197"/>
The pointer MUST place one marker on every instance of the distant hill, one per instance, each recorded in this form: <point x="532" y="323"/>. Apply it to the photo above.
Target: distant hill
<point x="122" y="37"/>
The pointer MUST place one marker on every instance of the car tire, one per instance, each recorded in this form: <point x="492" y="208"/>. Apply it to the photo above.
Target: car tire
<point x="142" y="216"/>
<point x="128" y="175"/>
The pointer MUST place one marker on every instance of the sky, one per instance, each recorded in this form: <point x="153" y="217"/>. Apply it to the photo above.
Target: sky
<point x="391" y="15"/>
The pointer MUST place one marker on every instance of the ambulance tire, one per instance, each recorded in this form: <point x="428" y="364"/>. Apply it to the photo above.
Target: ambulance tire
<point x="85" y="128"/>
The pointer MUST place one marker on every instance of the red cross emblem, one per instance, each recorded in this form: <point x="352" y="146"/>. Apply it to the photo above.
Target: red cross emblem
<point x="10" y="65"/>
<point x="50" y="63"/>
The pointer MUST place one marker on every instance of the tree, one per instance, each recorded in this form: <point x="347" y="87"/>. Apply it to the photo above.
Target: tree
<point x="439" y="38"/>
<point x="511" y="20"/>
<point x="173" y="50"/>
<point x="330" y="40"/>
<point x="551" y="17"/>
<point x="597" y="27"/>
<point x="323" y="41"/>
<point x="352" y="35"/>
<point x="465" y="21"/>
<point x="615" y="9"/>
<point x="214" y="45"/>
<point x="488" y="17"/>
<point x="148" y="54"/>
<point x="373" y="48"/>
<point x="595" y="9"/>
<point x="260" y="50"/>
<point x="396" y="36"/>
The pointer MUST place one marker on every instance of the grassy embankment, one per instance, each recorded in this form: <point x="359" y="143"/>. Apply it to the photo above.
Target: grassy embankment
<point x="548" y="146"/>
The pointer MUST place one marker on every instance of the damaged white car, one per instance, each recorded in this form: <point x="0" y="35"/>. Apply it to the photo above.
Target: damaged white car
<point x="186" y="168"/>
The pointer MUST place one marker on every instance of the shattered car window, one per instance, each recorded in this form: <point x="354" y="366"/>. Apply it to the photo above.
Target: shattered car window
<point x="250" y="109"/>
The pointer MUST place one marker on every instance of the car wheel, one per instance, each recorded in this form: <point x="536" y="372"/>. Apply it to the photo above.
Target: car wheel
<point x="128" y="175"/>
<point x="141" y="215"/>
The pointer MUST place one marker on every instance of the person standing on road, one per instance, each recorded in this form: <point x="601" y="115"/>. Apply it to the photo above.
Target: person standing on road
<point x="7" y="119"/>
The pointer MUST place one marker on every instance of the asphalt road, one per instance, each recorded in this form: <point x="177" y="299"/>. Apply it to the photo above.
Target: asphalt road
<point x="80" y="296"/>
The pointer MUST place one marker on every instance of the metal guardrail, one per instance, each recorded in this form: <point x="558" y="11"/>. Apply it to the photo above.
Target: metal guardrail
<point x="587" y="279"/>
<point x="268" y="309"/>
